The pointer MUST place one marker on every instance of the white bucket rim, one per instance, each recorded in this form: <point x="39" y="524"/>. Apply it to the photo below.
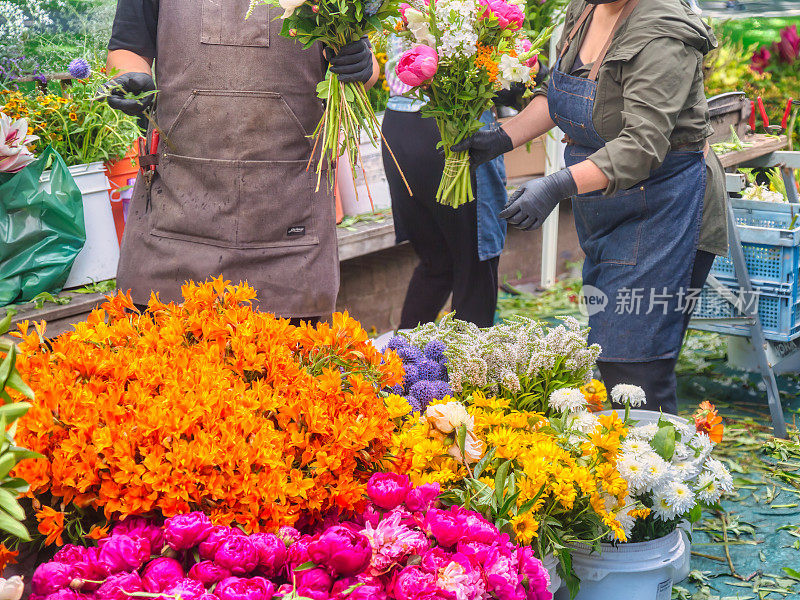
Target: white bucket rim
<point x="671" y="539"/>
<point x="650" y="416"/>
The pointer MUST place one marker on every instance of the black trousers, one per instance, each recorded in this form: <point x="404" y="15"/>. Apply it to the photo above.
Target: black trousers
<point x="657" y="377"/>
<point x="444" y="239"/>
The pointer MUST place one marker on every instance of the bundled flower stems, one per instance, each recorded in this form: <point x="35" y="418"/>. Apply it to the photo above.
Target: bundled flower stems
<point x="335" y="23"/>
<point x="464" y="52"/>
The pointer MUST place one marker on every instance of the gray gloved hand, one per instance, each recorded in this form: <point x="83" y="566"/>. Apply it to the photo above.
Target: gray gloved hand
<point x="353" y="62"/>
<point x="137" y="84"/>
<point x="531" y="204"/>
<point x="485" y="145"/>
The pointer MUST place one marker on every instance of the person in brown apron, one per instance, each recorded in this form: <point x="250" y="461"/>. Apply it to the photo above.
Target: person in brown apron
<point x="231" y="194"/>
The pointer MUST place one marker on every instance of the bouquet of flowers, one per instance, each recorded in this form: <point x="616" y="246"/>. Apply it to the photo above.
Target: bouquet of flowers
<point x="465" y="51"/>
<point x="402" y="547"/>
<point x="348" y="111"/>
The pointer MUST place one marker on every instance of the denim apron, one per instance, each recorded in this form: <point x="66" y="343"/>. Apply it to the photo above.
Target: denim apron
<point x="640" y="243"/>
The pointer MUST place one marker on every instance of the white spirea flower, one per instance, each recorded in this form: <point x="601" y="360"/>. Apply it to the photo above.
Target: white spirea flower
<point x="455" y="20"/>
<point x="567" y="400"/>
<point x="625" y="393"/>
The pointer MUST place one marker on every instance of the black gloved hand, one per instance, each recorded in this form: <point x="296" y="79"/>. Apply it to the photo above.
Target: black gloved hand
<point x="138" y="84"/>
<point x="511" y="97"/>
<point x="531" y="204"/>
<point x="353" y="62"/>
<point x="485" y="145"/>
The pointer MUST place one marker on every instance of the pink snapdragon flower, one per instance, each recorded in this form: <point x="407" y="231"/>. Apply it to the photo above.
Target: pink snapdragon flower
<point x="416" y="66"/>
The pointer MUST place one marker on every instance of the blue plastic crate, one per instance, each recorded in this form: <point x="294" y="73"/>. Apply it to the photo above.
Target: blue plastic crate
<point x="771" y="248"/>
<point x="779" y="314"/>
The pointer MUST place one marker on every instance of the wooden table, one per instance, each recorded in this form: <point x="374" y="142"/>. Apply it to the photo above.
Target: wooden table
<point x="761" y="146"/>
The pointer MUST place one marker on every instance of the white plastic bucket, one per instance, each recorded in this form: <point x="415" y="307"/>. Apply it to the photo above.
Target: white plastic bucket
<point x="98" y="259"/>
<point x="646" y="417"/>
<point x="642" y="571"/>
<point x="550" y="563"/>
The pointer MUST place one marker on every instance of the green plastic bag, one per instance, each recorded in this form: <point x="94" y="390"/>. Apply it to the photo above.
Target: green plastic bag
<point x="41" y="232"/>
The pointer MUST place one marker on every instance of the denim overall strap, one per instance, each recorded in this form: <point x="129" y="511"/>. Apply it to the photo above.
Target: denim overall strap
<point x="640" y="243"/>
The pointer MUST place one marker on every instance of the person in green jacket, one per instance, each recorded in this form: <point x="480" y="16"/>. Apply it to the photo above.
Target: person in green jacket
<point x="626" y="88"/>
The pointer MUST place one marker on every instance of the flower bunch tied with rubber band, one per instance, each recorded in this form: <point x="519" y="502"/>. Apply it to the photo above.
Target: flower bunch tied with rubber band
<point x="342" y="26"/>
<point x="464" y="52"/>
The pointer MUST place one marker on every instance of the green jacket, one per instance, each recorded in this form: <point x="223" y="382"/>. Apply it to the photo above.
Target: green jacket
<point x="650" y="99"/>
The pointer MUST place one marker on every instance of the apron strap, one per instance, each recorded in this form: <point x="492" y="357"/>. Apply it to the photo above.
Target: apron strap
<point x="623" y="15"/>
<point x="584" y="15"/>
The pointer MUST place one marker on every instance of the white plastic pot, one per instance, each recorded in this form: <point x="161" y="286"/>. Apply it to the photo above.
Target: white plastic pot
<point x="642" y="571"/>
<point x="98" y="258"/>
<point x="550" y="563"/>
<point x="646" y="417"/>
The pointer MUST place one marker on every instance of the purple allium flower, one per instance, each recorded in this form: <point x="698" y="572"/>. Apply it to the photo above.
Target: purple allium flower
<point x="423" y="391"/>
<point x="410" y="354"/>
<point x="79" y="68"/>
<point x="397" y="342"/>
<point x="430" y="370"/>
<point x="441" y="389"/>
<point x="412" y="376"/>
<point x="416" y="405"/>
<point x="434" y="350"/>
<point x="397" y="389"/>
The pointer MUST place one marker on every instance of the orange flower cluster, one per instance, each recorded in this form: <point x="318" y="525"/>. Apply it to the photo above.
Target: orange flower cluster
<point x="51" y="525"/>
<point x="7" y="557"/>
<point x="208" y="405"/>
<point x="708" y="421"/>
<point x="484" y="60"/>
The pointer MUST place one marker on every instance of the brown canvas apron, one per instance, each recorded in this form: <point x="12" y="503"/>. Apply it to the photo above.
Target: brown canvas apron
<point x="231" y="195"/>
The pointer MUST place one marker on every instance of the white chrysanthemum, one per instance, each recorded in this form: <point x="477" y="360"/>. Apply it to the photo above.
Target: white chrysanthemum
<point x="702" y="445"/>
<point x="708" y="489"/>
<point x="643" y="432"/>
<point x="656" y="468"/>
<point x="625" y="393"/>
<point x="634" y="472"/>
<point x="685" y="430"/>
<point x="687" y="469"/>
<point x="635" y="446"/>
<point x="583" y="421"/>
<point x="673" y="499"/>
<point x="720" y="473"/>
<point x="567" y="400"/>
<point x="682" y="451"/>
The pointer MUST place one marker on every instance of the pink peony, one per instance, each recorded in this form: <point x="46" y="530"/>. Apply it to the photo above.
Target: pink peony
<point x="423" y="497"/>
<point x="288" y="534"/>
<point x="188" y="589"/>
<point x="535" y="577"/>
<point x="392" y="541"/>
<point x="85" y="563"/>
<point x="416" y="66"/>
<point x="124" y="553"/>
<point x="116" y="586"/>
<point x="186" y="531"/>
<point x="477" y="529"/>
<point x="412" y="583"/>
<point x="161" y="574"/>
<point x="216" y="535"/>
<point x="152" y="531"/>
<point x="237" y="554"/>
<point x="271" y="553"/>
<point x="238" y="588"/>
<point x="461" y="579"/>
<point x="445" y="525"/>
<point x="362" y="588"/>
<point x="313" y="580"/>
<point x="67" y="594"/>
<point x="297" y="553"/>
<point x="509" y="16"/>
<point x="501" y="571"/>
<point x="208" y="572"/>
<point x="51" y="577"/>
<point x="341" y="550"/>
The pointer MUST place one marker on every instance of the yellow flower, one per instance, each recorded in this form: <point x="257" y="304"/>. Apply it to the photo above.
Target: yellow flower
<point x="397" y="406"/>
<point x="525" y="528"/>
<point x="73" y="116"/>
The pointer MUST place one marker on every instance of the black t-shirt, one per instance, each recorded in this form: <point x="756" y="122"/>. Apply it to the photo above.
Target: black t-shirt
<point x="135" y="26"/>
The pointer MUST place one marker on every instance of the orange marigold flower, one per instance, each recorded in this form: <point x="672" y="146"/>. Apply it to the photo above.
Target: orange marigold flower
<point x="708" y="421"/>
<point x="7" y="557"/>
<point x="51" y="524"/>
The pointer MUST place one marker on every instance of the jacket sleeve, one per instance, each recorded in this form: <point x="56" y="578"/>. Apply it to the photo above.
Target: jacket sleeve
<point x="655" y="86"/>
<point x="135" y="27"/>
<point x="573" y="13"/>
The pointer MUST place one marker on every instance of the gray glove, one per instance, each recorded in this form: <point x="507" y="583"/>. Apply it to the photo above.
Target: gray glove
<point x="137" y="84"/>
<point x="485" y="145"/>
<point x="531" y="204"/>
<point x="353" y="62"/>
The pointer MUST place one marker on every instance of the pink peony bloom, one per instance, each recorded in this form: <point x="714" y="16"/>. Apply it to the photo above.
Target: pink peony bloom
<point x="288" y="534"/>
<point x="461" y="579"/>
<point x="445" y="525"/>
<point x="188" y="589"/>
<point x="423" y="497"/>
<point x="509" y="16"/>
<point x="161" y="574"/>
<point x="216" y="535"/>
<point x="124" y="553"/>
<point x="51" y="577"/>
<point x="238" y="588"/>
<point x="297" y="554"/>
<point x="85" y="563"/>
<point x="152" y="531"/>
<point x="416" y="66"/>
<point x="313" y="580"/>
<point x="208" y="572"/>
<point x="67" y="594"/>
<point x="186" y="531"/>
<point x="535" y="577"/>
<point x="341" y="550"/>
<point x="271" y="553"/>
<point x="366" y="588"/>
<point x="501" y="571"/>
<point x="412" y="583"/>
<point x="238" y="554"/>
<point x="392" y="541"/>
<point x="116" y="586"/>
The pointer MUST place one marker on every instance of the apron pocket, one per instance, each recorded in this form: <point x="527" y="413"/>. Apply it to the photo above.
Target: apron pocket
<point x="610" y="227"/>
<point x="233" y="204"/>
<point x="219" y="14"/>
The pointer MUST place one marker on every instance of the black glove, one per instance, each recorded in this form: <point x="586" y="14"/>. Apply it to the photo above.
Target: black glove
<point x="353" y="62"/>
<point x="531" y="204"/>
<point x="511" y="97"/>
<point x="485" y="145"/>
<point x="137" y="84"/>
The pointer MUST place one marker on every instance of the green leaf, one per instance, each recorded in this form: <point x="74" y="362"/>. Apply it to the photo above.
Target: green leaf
<point x="9" y="504"/>
<point x="664" y="442"/>
<point x="792" y="573"/>
<point x="483" y="462"/>
<point x="500" y="481"/>
<point x="695" y="514"/>
<point x="16" y="485"/>
<point x="15" y="382"/>
<point x="7" y="365"/>
<point x="306" y="566"/>
<point x="14" y="411"/>
<point x="14" y="527"/>
<point x="461" y="437"/>
<point x="5" y="323"/>
<point x="7" y="462"/>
